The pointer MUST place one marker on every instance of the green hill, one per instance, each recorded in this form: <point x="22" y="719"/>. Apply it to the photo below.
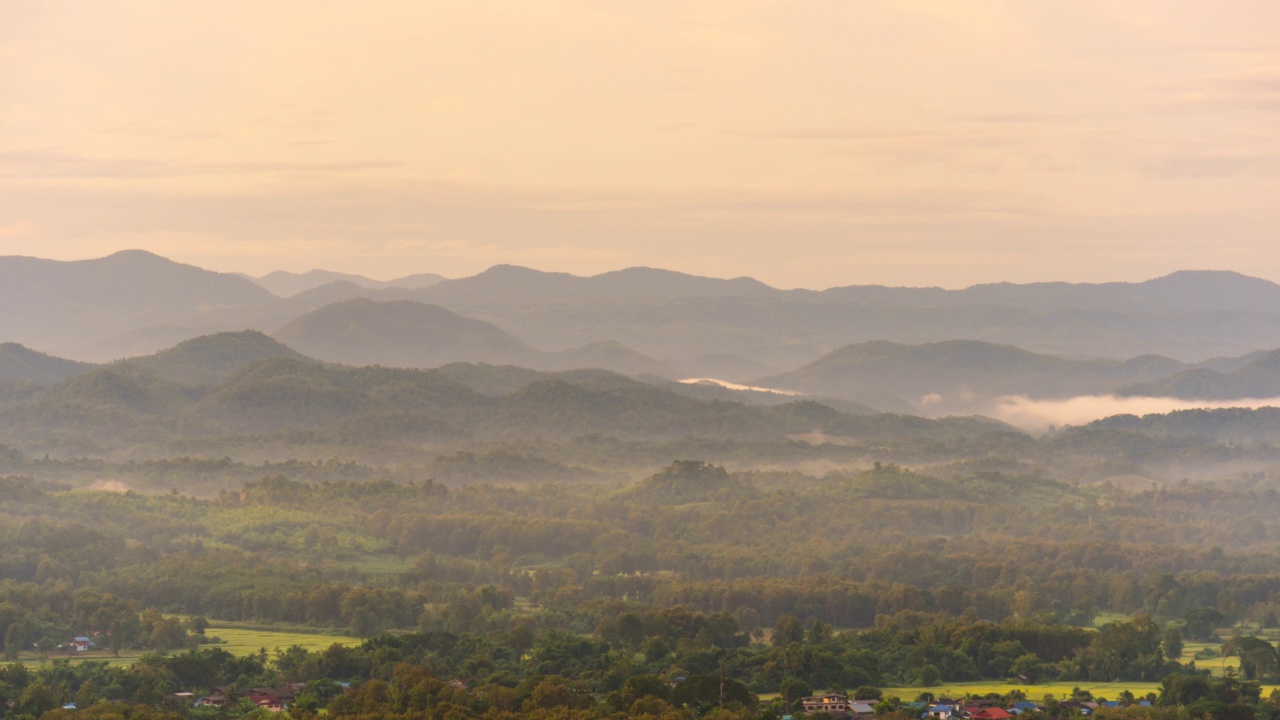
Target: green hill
<point x="400" y="333"/>
<point x="208" y="359"/>
<point x="1260" y="378"/>
<point x="687" y="481"/>
<point x="954" y="374"/>
<point x="22" y="364"/>
<point x="371" y="405"/>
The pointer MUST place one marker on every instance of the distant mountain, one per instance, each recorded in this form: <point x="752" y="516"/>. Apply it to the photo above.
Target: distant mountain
<point x="125" y="405"/>
<point x="609" y="355"/>
<point x="21" y="364"/>
<point x="209" y="359"/>
<point x="704" y="324"/>
<point x="415" y="281"/>
<point x="1227" y="424"/>
<point x="51" y="304"/>
<point x="688" y="481"/>
<point x="510" y="285"/>
<point x="287" y="284"/>
<point x="121" y="405"/>
<point x="1186" y="290"/>
<point x="405" y="333"/>
<point x="400" y="334"/>
<point x="135" y="303"/>
<point x="1259" y="378"/>
<point x="954" y="375"/>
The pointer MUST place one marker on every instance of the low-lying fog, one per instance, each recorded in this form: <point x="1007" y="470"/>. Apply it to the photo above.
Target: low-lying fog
<point x="1036" y="415"/>
<point x="1040" y="415"/>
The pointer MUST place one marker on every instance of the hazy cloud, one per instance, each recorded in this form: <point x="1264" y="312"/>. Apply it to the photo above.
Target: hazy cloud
<point x="1039" y="415"/>
<point x="54" y="164"/>
<point x="806" y="144"/>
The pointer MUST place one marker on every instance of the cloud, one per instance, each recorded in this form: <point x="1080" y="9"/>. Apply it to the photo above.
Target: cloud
<point x="1216" y="165"/>
<point x="1256" y="88"/>
<point x="53" y="164"/>
<point x="1039" y="415"/>
<point x="18" y="230"/>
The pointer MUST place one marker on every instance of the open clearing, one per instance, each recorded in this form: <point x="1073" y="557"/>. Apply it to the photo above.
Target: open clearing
<point x="241" y="641"/>
<point x="1034" y="693"/>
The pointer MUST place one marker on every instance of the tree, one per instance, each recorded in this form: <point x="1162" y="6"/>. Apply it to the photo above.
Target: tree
<point x="1028" y="666"/>
<point x="1172" y="645"/>
<point x="1258" y="658"/>
<point x="44" y="645"/>
<point x="37" y="699"/>
<point x="1201" y="623"/>
<point x="819" y="633"/>
<point x="792" y="690"/>
<point x="198" y="624"/>
<point x="656" y="649"/>
<point x="929" y="676"/>
<point x="87" y="695"/>
<point x="12" y="642"/>
<point x="702" y="691"/>
<point x="787" y="630"/>
<point x="117" y="638"/>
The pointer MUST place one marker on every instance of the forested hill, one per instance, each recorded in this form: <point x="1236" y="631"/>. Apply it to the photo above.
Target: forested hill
<point x="134" y="303"/>
<point x="1258" y="378"/>
<point x="20" y="364"/>
<point x="209" y="359"/>
<point x="120" y="406"/>
<point x="954" y="372"/>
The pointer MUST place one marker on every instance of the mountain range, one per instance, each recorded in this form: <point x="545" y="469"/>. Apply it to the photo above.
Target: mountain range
<point x="648" y="321"/>
<point x="287" y="284"/>
<point x="959" y="375"/>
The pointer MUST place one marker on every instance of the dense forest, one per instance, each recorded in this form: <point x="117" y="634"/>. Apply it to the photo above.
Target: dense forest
<point x="510" y="542"/>
<point x="783" y="581"/>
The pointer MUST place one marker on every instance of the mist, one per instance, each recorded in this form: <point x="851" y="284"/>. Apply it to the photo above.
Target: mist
<point x="1041" y="415"/>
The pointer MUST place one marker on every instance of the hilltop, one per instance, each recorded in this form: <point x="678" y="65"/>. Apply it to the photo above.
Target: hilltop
<point x="946" y="376"/>
<point x="134" y="302"/>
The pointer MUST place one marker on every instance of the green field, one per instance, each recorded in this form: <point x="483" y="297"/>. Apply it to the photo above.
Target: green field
<point x="239" y="640"/>
<point x="1034" y="693"/>
<point x="242" y="641"/>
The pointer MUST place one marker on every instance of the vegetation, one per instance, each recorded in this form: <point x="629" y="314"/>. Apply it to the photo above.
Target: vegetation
<point x="499" y="542"/>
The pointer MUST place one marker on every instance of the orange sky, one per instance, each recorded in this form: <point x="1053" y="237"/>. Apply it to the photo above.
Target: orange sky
<point x="804" y="143"/>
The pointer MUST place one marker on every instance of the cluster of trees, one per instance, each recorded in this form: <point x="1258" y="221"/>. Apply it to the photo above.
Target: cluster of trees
<point x="883" y="577"/>
<point x="551" y="674"/>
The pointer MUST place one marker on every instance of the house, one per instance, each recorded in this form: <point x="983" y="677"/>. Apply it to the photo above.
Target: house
<point x="991" y="713"/>
<point x="83" y="644"/>
<point x="265" y="699"/>
<point x="940" y="712"/>
<point x="829" y="703"/>
<point x="863" y="708"/>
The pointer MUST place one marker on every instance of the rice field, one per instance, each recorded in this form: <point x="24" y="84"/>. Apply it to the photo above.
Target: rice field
<point x="241" y="641"/>
<point x="1035" y="693"/>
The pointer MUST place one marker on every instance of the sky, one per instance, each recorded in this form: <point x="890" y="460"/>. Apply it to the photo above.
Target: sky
<point x="807" y="144"/>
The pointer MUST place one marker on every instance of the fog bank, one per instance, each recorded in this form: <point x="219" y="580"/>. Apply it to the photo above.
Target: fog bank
<point x="1040" y="415"/>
